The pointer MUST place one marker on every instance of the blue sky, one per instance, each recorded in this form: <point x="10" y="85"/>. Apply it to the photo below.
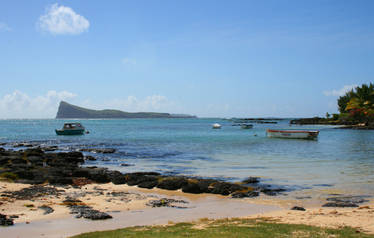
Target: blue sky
<point x="207" y="58"/>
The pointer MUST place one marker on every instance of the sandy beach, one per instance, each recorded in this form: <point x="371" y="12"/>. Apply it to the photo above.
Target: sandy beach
<point x="132" y="206"/>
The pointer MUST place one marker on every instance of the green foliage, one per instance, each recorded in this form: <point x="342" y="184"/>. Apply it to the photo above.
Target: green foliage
<point x="335" y="116"/>
<point x="227" y="228"/>
<point x="8" y="176"/>
<point x="358" y="103"/>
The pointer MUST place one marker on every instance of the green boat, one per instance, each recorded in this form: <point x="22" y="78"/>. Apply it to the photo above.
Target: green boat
<point x="70" y="129"/>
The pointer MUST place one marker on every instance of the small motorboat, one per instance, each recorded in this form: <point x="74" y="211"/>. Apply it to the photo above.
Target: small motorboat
<point x="246" y="126"/>
<point x="73" y="128"/>
<point x="293" y="134"/>
<point x="216" y="126"/>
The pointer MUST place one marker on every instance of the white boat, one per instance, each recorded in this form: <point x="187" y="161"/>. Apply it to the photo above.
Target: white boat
<point x="293" y="134"/>
<point x="216" y="126"/>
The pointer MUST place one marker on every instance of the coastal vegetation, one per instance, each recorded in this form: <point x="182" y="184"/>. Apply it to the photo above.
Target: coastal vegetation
<point x="358" y="104"/>
<point x="236" y="227"/>
<point x="356" y="110"/>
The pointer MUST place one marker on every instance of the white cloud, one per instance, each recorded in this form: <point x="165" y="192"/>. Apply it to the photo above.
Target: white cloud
<point x="4" y="27"/>
<point x="21" y="105"/>
<point x="128" y="61"/>
<point x="62" y="20"/>
<point x="340" y="92"/>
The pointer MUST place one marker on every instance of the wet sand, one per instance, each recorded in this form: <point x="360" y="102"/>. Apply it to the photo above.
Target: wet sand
<point x="130" y="209"/>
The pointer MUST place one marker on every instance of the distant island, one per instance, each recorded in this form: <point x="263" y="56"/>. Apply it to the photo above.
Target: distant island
<point x="67" y="110"/>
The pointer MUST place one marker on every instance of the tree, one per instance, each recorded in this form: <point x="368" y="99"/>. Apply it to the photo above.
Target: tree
<point x="359" y="103"/>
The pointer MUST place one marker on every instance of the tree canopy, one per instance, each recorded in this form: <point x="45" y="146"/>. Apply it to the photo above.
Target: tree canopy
<point x="358" y="104"/>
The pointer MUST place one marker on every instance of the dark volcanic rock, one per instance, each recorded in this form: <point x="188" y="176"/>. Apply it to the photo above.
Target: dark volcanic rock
<point x="33" y="152"/>
<point x="82" y="210"/>
<point x="340" y="204"/>
<point x="245" y="194"/>
<point x="225" y="188"/>
<point x="99" y="175"/>
<point x="199" y="186"/>
<point x="139" y="177"/>
<point x="297" y="208"/>
<point x="166" y="202"/>
<point x="172" y="183"/>
<point x="22" y="144"/>
<point x="46" y="209"/>
<point x="251" y="180"/>
<point x="192" y="187"/>
<point x="149" y="182"/>
<point x="116" y="177"/>
<point x="34" y="166"/>
<point x="352" y="199"/>
<point x="345" y="201"/>
<point x="90" y="158"/>
<point x="71" y="157"/>
<point x="89" y="213"/>
<point x="99" y="150"/>
<point x="33" y="192"/>
<point x="49" y="148"/>
<point x="270" y="191"/>
<point x="5" y="221"/>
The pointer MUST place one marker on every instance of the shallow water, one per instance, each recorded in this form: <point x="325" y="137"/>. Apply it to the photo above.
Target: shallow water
<point x="339" y="159"/>
<point x="210" y="207"/>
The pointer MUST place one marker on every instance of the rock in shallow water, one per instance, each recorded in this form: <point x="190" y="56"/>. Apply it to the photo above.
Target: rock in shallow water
<point x="99" y="150"/>
<point x="166" y="202"/>
<point x="82" y="210"/>
<point x="46" y="209"/>
<point x="340" y="204"/>
<point x="251" y="180"/>
<point x="297" y="208"/>
<point x="5" y="221"/>
<point x="245" y="194"/>
<point x="172" y="183"/>
<point x="344" y="201"/>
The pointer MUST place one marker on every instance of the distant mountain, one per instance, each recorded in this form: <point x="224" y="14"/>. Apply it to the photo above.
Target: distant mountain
<point x="66" y="110"/>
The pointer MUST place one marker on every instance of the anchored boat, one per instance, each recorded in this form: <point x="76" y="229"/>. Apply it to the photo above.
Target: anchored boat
<point x="293" y="134"/>
<point x="216" y="126"/>
<point x="73" y="128"/>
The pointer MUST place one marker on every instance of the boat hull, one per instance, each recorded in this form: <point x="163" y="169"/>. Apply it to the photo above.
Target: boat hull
<point x="70" y="132"/>
<point x="293" y="134"/>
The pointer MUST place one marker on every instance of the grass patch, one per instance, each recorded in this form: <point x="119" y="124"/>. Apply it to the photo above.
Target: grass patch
<point x="233" y="228"/>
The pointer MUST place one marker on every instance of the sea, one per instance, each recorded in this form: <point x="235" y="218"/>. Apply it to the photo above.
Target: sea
<point x="340" y="161"/>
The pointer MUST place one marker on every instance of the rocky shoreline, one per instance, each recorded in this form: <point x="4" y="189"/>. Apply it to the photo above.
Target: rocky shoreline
<point x="49" y="173"/>
<point x="328" y="121"/>
<point x="35" y="166"/>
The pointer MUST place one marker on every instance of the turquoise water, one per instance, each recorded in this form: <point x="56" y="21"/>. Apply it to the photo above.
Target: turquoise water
<point x="342" y="159"/>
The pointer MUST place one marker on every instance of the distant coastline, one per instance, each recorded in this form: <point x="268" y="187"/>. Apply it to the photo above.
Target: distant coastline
<point x="330" y="121"/>
<point x="67" y="110"/>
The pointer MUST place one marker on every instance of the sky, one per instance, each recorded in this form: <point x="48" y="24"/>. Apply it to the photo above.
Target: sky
<point x="207" y="58"/>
